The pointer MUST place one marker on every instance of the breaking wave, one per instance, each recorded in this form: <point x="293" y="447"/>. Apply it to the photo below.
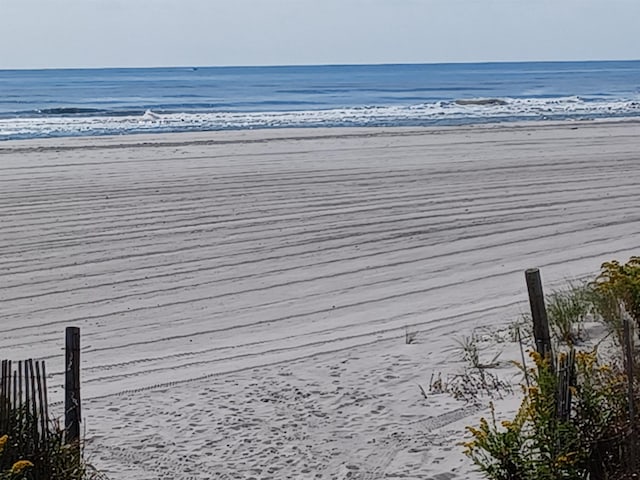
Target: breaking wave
<point x="79" y="122"/>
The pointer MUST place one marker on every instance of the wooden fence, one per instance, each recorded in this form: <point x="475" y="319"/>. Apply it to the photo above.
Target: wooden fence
<point x="565" y="367"/>
<point x="23" y="391"/>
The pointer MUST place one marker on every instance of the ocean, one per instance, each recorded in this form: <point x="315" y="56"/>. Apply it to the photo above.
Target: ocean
<point x="59" y="103"/>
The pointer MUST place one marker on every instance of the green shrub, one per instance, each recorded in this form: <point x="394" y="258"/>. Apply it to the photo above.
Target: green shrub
<point x="574" y="421"/>
<point x="619" y="286"/>
<point x="28" y="453"/>
<point x="539" y="444"/>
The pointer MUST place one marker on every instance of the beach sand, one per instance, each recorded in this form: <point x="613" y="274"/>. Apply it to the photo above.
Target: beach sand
<point x="243" y="296"/>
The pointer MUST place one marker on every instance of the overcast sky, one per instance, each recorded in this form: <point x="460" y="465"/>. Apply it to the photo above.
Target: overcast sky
<point x="107" y="33"/>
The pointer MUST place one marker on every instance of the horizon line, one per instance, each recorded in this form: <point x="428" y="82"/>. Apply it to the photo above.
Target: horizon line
<point x="293" y="65"/>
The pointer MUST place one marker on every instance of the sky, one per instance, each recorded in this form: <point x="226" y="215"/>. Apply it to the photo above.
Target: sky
<point x="145" y="33"/>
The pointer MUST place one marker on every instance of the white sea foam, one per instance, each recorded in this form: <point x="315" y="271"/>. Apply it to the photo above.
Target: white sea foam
<point x="442" y="112"/>
<point x="150" y="116"/>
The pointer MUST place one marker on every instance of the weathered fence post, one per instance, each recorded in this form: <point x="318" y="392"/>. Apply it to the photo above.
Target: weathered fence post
<point x="539" y="314"/>
<point x="72" y="417"/>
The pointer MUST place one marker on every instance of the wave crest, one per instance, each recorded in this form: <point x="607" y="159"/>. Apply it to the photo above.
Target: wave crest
<point x="457" y="112"/>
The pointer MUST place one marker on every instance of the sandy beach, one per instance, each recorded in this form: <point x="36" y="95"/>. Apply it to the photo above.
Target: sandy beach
<point x="244" y="296"/>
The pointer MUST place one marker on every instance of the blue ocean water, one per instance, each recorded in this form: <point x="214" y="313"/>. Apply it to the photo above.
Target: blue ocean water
<point x="52" y="103"/>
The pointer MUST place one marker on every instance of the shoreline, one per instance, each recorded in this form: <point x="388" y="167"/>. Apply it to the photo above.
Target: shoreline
<point x="287" y="133"/>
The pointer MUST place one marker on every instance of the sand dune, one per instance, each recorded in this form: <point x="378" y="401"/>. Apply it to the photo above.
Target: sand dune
<point x="243" y="296"/>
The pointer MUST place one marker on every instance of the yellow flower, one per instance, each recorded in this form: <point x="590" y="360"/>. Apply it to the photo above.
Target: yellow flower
<point x="540" y="361"/>
<point x="586" y="359"/>
<point x="484" y="425"/>
<point x="21" y="465"/>
<point x="475" y="432"/>
<point x="565" y="459"/>
<point x="3" y="441"/>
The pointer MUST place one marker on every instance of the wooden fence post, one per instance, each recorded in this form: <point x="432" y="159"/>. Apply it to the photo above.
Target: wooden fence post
<point x="72" y="417"/>
<point x="539" y="314"/>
